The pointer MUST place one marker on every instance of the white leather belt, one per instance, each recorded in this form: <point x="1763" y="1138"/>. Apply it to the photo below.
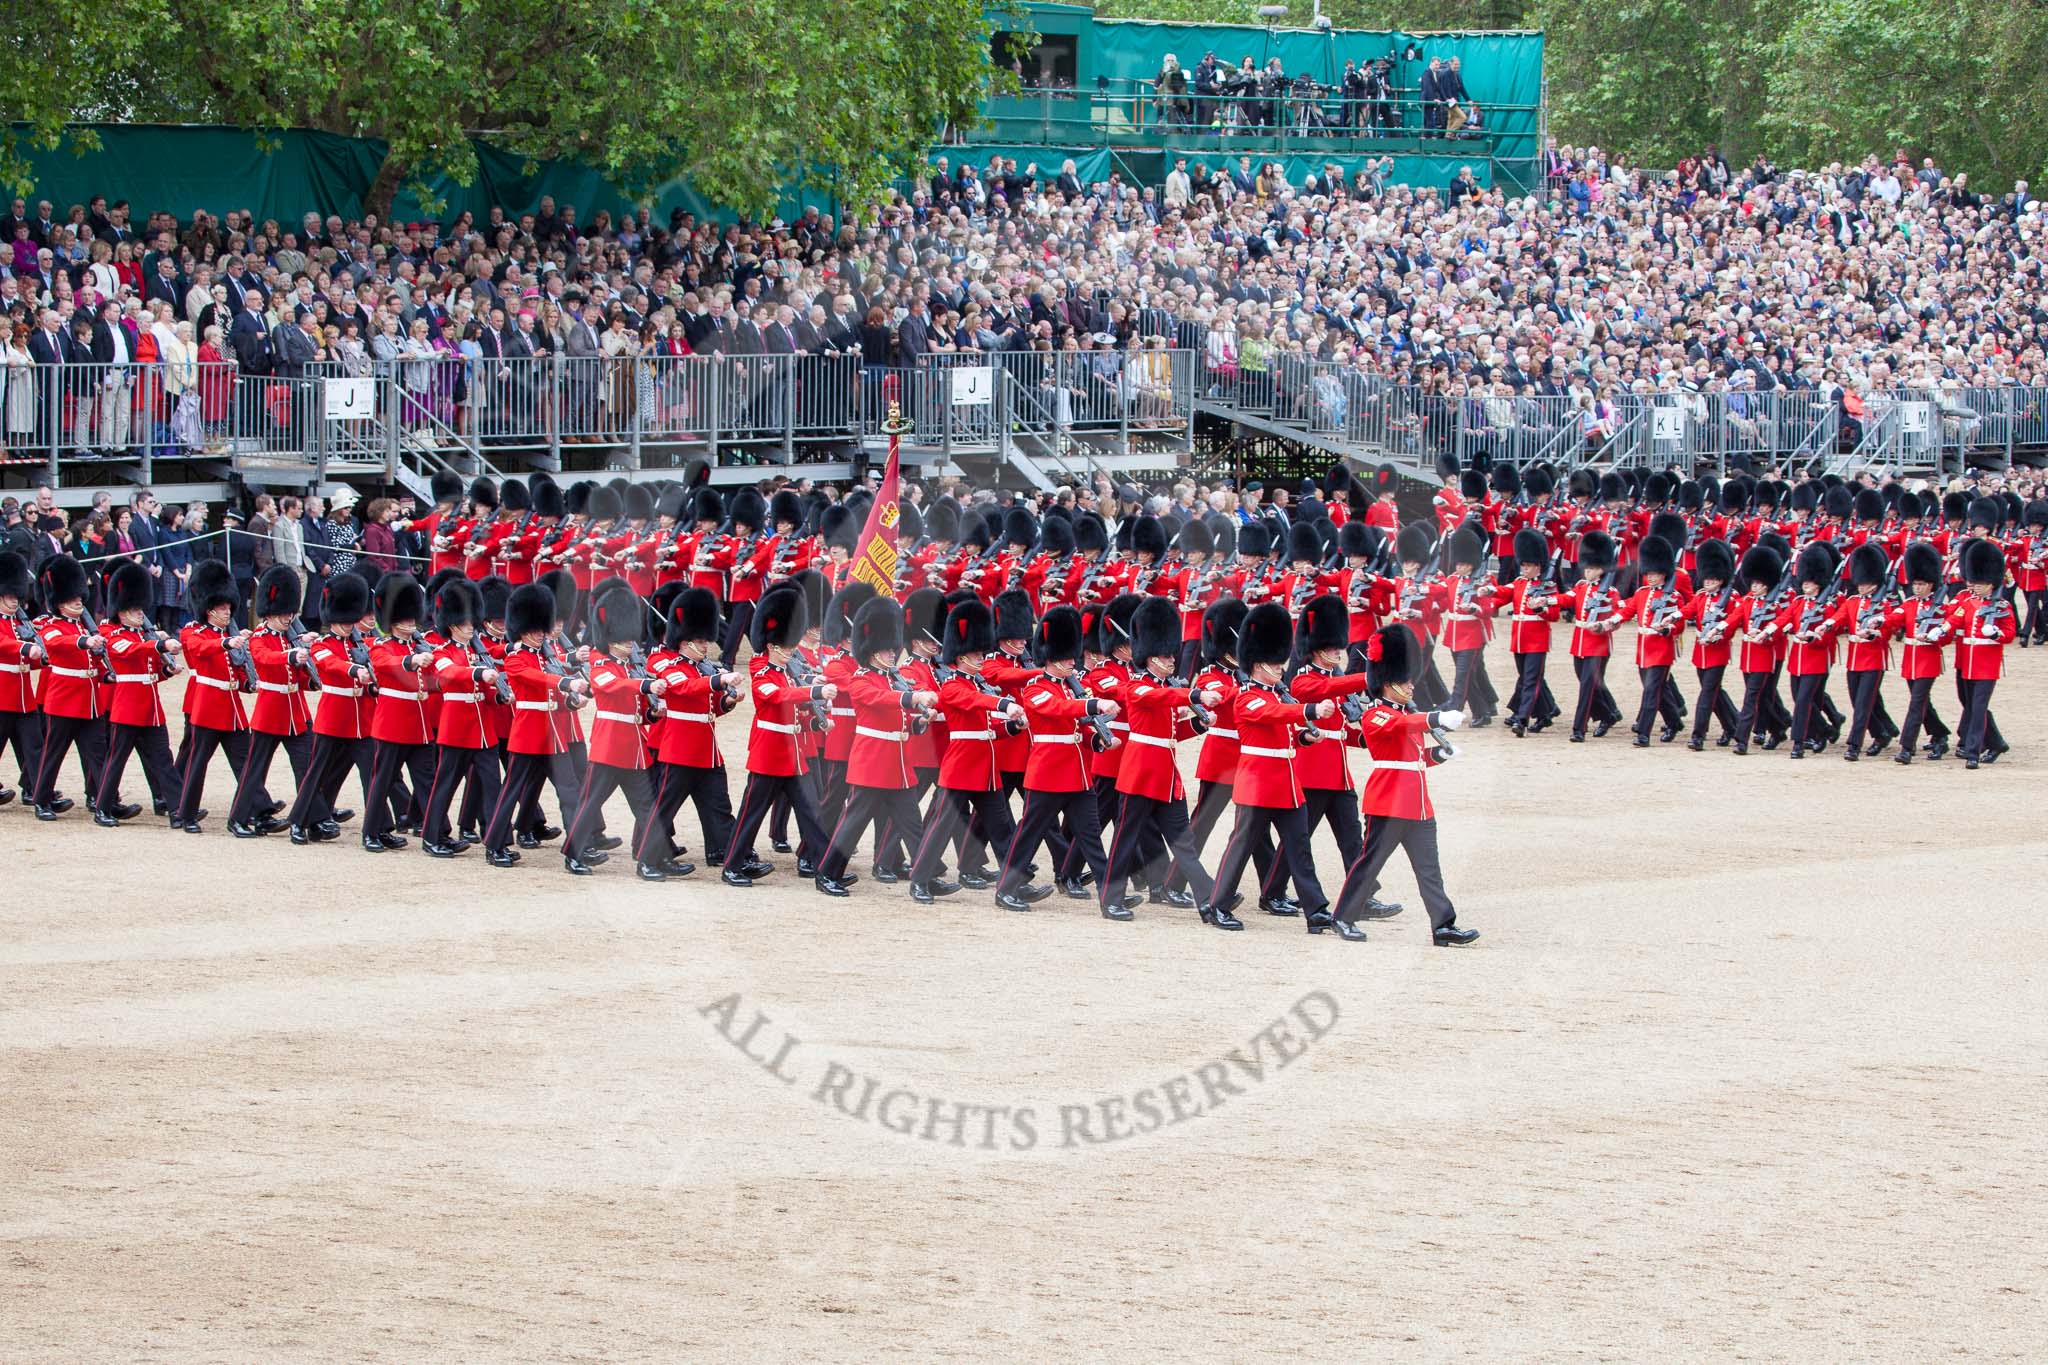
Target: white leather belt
<point x="1461" y="616"/>
<point x="842" y="710"/>
<point x="534" y="705"/>
<point x="1119" y="725"/>
<point x="1154" y="740"/>
<point x="1520" y="616"/>
<point x="262" y="686"/>
<point x="145" y="679"/>
<point x="700" y="717"/>
<point x="1215" y="733"/>
<point x="222" y="683"/>
<point x="1253" y="751"/>
<point x="896" y="735"/>
<point x="460" y="696"/>
<point x="1412" y="766"/>
<point x="388" y="695"/>
<point x="13" y="668"/>
<point x="71" y="672"/>
<point x="1055" y="739"/>
<point x="778" y="729"/>
<point x="970" y="734"/>
<point x="619" y="716"/>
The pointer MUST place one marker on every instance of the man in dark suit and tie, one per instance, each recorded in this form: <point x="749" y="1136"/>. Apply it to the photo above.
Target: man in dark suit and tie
<point x="254" y="355"/>
<point x="580" y="355"/>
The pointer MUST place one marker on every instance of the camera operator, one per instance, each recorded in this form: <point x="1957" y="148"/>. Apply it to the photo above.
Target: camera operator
<point x="1170" y="92"/>
<point x="1357" y="87"/>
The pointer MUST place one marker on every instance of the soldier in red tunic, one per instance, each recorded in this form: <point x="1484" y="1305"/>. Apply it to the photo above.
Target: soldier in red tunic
<point x="1921" y="623"/>
<point x="619" y="759"/>
<point x="1266" y="787"/>
<point x="1405" y="744"/>
<point x="21" y="656"/>
<point x="142" y="657"/>
<point x="1658" y="611"/>
<point x="691" y="767"/>
<point x="465" y="737"/>
<point x="1753" y="620"/>
<point x="343" y="719"/>
<point x="775" y="759"/>
<point x="541" y="689"/>
<point x="1531" y="602"/>
<point x="1468" y="625"/>
<point x="1861" y="622"/>
<point x="880" y="780"/>
<point x="1807" y="623"/>
<point x="214" y="717"/>
<point x="75" y="654"/>
<point x="281" y="718"/>
<point x="1708" y="613"/>
<point x="971" y="804"/>
<point x="1984" y="624"/>
<point x="1596" y="615"/>
<point x="403" y="722"/>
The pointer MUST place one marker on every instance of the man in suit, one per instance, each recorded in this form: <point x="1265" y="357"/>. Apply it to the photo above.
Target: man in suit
<point x="580" y="353"/>
<point x="253" y="354"/>
<point x="47" y="347"/>
<point x="113" y="353"/>
<point x="166" y="284"/>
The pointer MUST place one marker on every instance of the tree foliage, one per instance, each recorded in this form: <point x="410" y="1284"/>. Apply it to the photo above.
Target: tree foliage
<point x="742" y="96"/>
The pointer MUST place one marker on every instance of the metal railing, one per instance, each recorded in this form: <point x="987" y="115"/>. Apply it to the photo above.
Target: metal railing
<point x="1130" y="110"/>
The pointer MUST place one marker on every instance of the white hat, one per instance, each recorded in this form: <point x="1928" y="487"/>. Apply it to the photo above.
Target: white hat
<point x="344" y="496"/>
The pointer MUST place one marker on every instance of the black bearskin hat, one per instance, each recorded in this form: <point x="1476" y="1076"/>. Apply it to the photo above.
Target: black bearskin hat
<point x="1303" y="544"/>
<point x="513" y="497"/>
<point x="942" y="522"/>
<point x="1987" y="513"/>
<point x="15" y="580"/>
<point x="1596" y="551"/>
<point x="811" y="584"/>
<point x="1220" y="626"/>
<point x="440" y="580"/>
<point x="1506" y="480"/>
<point x="1715" y="561"/>
<point x="786" y="506"/>
<point x="1911" y="507"/>
<point x="1090" y="535"/>
<point x="1149" y="536"/>
<point x="1012" y="615"/>
<point x="483" y="492"/>
<point x="605" y="504"/>
<point x="694" y="615"/>
<point x="1817" y="563"/>
<point x="131" y="588"/>
<point x="877" y="629"/>
<point x="1923" y="563"/>
<point x="1020" y="528"/>
<point x="1612" y="489"/>
<point x="1325" y="624"/>
<point x="458" y="603"/>
<point x="1838" y="502"/>
<point x="1416" y="543"/>
<point x="1266" y="636"/>
<point x="1777" y="545"/>
<point x="673" y="503"/>
<point x="1582" y="483"/>
<point x="446" y="486"/>
<point x="1392" y="657"/>
<point x="1657" y="489"/>
<point x="399" y="598"/>
<point x="1867" y="564"/>
<point x="975" y="531"/>
<point x="836" y="527"/>
<point x="1472" y="484"/>
<point x="1658" y="555"/>
<point x="1955" y="507"/>
<point x="1691" y="497"/>
<point x="909" y="525"/>
<point x="531" y="608"/>
<point x="707" y="505"/>
<point x="1806" y="497"/>
<point x="210" y="586"/>
<point x="1531" y="548"/>
<point x="970" y="629"/>
<point x="639" y="503"/>
<point x="1734" y="496"/>
<point x="1669" y="527"/>
<point x="278" y="592"/>
<point x="1386" y="479"/>
<point x="1352" y="540"/>
<point x="780" y="618"/>
<point x="497" y="596"/>
<point x="1979" y="561"/>
<point x="614" y="615"/>
<point x="749" y="509"/>
<point x="347" y="600"/>
<point x="1057" y="536"/>
<point x="1255" y="540"/>
<point x="1058" y="637"/>
<point x="1539" y="483"/>
<point x="548" y="500"/>
<point x="1447" y="468"/>
<point x="1467" y="547"/>
<point x="1155" y="631"/>
<point x="840" y="611"/>
<point x="1116" y="621"/>
<point x="1869" y="505"/>
<point x="562" y="584"/>
<point x="1196" y="538"/>
<point x="924" y="614"/>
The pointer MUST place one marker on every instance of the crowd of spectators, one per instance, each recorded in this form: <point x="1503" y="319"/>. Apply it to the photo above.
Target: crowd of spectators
<point x="1850" y="279"/>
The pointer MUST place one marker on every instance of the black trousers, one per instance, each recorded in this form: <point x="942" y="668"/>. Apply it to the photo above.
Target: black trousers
<point x="1283" y="829"/>
<point x="151" y="744"/>
<point x="200" y="744"/>
<point x="1713" y="701"/>
<point x="566" y="772"/>
<point x="831" y="789"/>
<point x="1867" y="715"/>
<point x="1759" y="708"/>
<point x="973" y="819"/>
<point x="453" y="765"/>
<point x="525" y="774"/>
<point x="737" y="622"/>
<point x="1384" y="834"/>
<point x="321" y="783"/>
<point x="24" y="731"/>
<point x="1168" y="820"/>
<point x="1190" y="658"/>
<point x="1920" y="714"/>
<point x="897" y="821"/>
<point x="1806" y="693"/>
<point x="759" y="796"/>
<point x="1043" y="811"/>
<point x="1660" y="697"/>
<point x="1058" y="841"/>
<point x="887" y="833"/>
<point x="249" y="790"/>
<point x="705" y="787"/>
<point x="1211" y="800"/>
<point x="1108" y="803"/>
<point x="59" y="734"/>
<point x="1596" y="703"/>
<point x="603" y="780"/>
<point x="1320" y="805"/>
<point x="1978" y="729"/>
<point x="1531" y="699"/>
<point x="1430" y="691"/>
<point x="381" y="813"/>
<point x="2036" y="628"/>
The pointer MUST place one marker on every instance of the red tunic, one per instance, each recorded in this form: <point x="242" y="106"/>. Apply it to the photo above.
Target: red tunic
<point x="402" y="714"/>
<point x="346" y="711"/>
<point x="1266" y="725"/>
<point x="880" y="756"/>
<point x="1151" y="765"/>
<point x="772" y="748"/>
<point x="1323" y="766"/>
<point x="1531" y="608"/>
<point x="462" y="720"/>
<point x="974" y="734"/>
<point x="1060" y="758"/>
<point x="1657" y="648"/>
<point x="281" y="706"/>
<point x="616" y="738"/>
<point x="1107" y="684"/>
<point x="213" y="693"/>
<point x="17" y="672"/>
<point x="1011" y="675"/>
<point x="68" y="681"/>
<point x="139" y="668"/>
<point x="1980" y="644"/>
<point x="1217" y="761"/>
<point x="1397" y="738"/>
<point x="538" y="699"/>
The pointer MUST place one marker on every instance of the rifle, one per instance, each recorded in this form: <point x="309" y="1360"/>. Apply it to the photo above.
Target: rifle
<point x="359" y="655"/>
<point x="26" y="633"/>
<point x="295" y="639"/>
<point x="483" y="660"/>
<point x="917" y="719"/>
<point x="803" y="675"/>
<point x="1934" y="607"/>
<point x="1103" y="738"/>
<point x="1201" y="717"/>
<point x="241" y="662"/>
<point x="1716" y="614"/>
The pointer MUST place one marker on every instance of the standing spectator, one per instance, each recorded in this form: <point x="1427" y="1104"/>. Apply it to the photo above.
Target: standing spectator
<point x="288" y="537"/>
<point x="254" y="357"/>
<point x="20" y="425"/>
<point x="341" y="534"/>
<point x="380" y="545"/>
<point x="174" y="557"/>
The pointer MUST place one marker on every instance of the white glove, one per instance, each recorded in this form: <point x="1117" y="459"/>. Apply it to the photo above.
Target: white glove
<point x="1447" y="720"/>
